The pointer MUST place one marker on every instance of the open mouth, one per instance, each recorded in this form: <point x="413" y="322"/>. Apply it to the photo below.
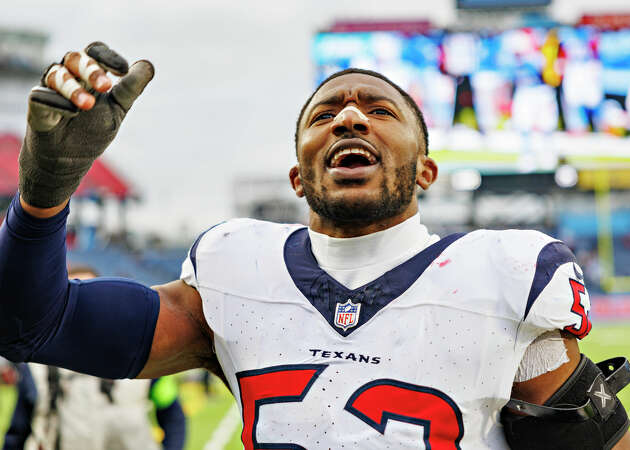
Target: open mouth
<point x="352" y="158"/>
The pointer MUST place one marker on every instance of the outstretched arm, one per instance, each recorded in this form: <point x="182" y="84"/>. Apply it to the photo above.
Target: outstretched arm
<point x="112" y="328"/>
<point x="104" y="327"/>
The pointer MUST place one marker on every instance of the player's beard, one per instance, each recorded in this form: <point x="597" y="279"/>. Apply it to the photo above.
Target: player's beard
<point x="364" y="210"/>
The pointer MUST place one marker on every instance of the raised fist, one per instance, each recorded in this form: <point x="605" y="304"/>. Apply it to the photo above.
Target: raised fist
<point x="72" y="118"/>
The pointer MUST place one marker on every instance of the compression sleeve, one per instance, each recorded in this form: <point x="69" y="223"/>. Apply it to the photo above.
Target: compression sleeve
<point x="102" y="327"/>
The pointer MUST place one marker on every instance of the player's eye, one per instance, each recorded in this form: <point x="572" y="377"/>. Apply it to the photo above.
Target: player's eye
<point x="381" y="112"/>
<point x="323" y="116"/>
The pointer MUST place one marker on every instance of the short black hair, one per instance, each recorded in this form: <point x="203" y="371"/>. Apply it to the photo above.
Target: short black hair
<point x="410" y="102"/>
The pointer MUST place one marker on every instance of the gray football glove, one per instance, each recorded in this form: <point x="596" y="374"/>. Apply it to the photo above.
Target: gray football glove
<point x="62" y="142"/>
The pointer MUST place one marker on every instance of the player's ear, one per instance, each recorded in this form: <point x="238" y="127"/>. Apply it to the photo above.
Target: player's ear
<point x="296" y="182"/>
<point x="426" y="171"/>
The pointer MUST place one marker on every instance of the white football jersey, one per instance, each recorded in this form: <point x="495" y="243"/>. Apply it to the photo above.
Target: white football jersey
<point x="422" y="357"/>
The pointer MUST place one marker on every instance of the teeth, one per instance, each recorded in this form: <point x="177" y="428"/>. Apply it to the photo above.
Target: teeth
<point x="336" y="159"/>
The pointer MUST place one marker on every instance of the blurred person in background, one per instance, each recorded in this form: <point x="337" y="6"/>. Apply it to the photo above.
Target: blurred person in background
<point x="8" y="372"/>
<point x="354" y="332"/>
<point x="20" y="426"/>
<point x="58" y="409"/>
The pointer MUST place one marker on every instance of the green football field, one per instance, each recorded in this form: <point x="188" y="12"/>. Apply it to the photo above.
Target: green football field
<point x="206" y="412"/>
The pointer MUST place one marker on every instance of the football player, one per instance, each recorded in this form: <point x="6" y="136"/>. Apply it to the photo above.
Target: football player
<point x="361" y="330"/>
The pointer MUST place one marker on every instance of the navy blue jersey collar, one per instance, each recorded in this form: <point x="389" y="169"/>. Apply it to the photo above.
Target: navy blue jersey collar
<point x="325" y="293"/>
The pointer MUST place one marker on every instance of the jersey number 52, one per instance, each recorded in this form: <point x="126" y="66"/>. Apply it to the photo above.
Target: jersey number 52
<point x="375" y="403"/>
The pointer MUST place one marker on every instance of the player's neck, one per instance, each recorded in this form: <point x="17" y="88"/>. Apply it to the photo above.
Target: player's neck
<point x="369" y="255"/>
<point x="334" y="229"/>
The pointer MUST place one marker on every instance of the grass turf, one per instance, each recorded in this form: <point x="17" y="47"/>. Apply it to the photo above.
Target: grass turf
<point x="606" y="341"/>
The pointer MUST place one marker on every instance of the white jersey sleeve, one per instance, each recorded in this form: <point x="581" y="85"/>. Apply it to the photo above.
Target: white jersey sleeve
<point x="188" y="274"/>
<point x="541" y="280"/>
<point x="557" y="297"/>
<point x="189" y="266"/>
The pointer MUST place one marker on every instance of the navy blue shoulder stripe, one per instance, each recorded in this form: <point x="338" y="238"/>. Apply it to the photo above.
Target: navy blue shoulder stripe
<point x="552" y="256"/>
<point x="193" y="249"/>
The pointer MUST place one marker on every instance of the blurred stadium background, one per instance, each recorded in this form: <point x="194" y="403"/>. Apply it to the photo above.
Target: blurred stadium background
<point x="526" y="100"/>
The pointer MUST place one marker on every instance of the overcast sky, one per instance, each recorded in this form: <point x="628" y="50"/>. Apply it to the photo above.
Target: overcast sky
<point x="230" y="79"/>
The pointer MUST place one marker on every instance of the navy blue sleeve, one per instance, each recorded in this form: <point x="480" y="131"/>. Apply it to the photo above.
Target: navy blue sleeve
<point x="173" y="421"/>
<point x="20" y="427"/>
<point x="102" y="327"/>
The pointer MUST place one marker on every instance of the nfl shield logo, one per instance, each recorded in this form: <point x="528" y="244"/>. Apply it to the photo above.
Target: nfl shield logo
<point x="347" y="314"/>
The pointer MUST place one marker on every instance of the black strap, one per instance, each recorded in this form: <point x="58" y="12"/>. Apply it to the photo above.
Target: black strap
<point x="617" y="373"/>
<point x="575" y="414"/>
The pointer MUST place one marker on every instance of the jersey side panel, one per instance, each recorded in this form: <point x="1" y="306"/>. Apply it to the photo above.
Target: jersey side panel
<point x="233" y="258"/>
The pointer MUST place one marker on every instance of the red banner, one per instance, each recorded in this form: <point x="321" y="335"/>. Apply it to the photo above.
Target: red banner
<point x="610" y="306"/>
<point x="606" y="21"/>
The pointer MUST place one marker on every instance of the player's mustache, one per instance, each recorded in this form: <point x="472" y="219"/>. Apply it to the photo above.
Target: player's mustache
<point x="348" y="135"/>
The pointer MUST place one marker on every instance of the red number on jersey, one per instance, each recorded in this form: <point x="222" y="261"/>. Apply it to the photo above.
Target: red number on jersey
<point x="278" y="384"/>
<point x="585" y="324"/>
<point x="381" y="400"/>
<point x="374" y="403"/>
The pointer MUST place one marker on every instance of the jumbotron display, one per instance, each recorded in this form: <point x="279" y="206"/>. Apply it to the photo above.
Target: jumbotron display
<point x="520" y="100"/>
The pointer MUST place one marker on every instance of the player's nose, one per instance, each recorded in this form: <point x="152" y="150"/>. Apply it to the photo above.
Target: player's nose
<point x="350" y="119"/>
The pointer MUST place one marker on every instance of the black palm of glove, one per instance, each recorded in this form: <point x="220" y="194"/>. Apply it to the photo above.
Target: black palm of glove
<point x="62" y="141"/>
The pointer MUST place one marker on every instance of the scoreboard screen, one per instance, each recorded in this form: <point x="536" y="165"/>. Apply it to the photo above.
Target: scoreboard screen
<point x="512" y="101"/>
